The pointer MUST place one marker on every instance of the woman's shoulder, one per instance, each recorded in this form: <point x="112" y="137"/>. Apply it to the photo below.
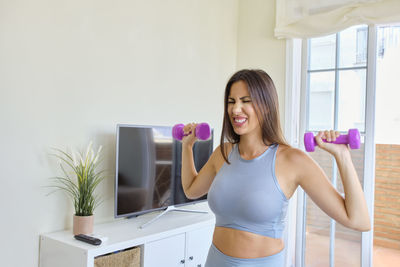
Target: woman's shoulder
<point x="227" y="148"/>
<point x="217" y="159"/>
<point x="293" y="162"/>
<point x="291" y="154"/>
<point x="217" y="155"/>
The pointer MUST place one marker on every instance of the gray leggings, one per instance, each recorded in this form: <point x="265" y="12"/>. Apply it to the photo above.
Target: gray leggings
<point x="216" y="258"/>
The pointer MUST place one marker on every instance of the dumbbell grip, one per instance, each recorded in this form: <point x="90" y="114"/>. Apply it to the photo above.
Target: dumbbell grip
<point x="341" y="139"/>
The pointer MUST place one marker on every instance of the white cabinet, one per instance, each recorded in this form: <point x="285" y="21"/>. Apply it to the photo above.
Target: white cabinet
<point x="198" y="243"/>
<point x="180" y="239"/>
<point x="189" y="249"/>
<point x="169" y="251"/>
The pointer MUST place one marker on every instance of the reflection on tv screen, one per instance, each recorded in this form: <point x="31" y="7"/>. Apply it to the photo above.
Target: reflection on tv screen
<point x="148" y="169"/>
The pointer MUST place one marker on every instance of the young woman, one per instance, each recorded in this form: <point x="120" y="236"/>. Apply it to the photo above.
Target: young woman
<point x="251" y="176"/>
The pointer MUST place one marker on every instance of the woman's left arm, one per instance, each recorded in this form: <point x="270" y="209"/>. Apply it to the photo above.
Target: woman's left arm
<point x="351" y="211"/>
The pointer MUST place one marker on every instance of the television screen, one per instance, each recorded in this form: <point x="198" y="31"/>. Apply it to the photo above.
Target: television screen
<point x="148" y="169"/>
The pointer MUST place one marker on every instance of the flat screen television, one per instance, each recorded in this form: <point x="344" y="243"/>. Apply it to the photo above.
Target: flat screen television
<point x="148" y="169"/>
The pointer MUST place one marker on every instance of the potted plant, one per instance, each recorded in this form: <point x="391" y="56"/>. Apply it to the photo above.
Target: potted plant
<point x="79" y="181"/>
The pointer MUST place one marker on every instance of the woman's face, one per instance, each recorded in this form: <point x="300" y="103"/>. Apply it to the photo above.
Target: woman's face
<point x="241" y="110"/>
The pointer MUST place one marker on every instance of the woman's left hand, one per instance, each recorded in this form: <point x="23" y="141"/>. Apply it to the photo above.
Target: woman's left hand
<point x="330" y="137"/>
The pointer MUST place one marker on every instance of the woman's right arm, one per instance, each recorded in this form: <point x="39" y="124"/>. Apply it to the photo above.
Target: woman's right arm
<point x="195" y="184"/>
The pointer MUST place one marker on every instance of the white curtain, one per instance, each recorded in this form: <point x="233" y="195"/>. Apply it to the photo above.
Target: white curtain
<point x="311" y="18"/>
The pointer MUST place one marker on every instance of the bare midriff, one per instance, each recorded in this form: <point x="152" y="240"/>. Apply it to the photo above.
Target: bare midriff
<point x="247" y="245"/>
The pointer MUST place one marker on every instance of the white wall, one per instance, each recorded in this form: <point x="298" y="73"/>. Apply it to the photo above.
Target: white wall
<point x="257" y="47"/>
<point x="71" y="70"/>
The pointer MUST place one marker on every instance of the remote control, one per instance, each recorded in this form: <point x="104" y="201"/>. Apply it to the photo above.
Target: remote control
<point x="88" y="239"/>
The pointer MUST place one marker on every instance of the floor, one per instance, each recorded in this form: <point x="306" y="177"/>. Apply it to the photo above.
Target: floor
<point x="347" y="253"/>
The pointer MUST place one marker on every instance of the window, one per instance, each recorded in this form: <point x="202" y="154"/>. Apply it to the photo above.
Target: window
<point x="337" y="73"/>
<point x="362" y="38"/>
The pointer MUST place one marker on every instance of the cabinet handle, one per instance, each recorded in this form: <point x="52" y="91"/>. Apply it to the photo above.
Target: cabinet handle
<point x="198" y="265"/>
<point x="191" y="258"/>
<point x="182" y="261"/>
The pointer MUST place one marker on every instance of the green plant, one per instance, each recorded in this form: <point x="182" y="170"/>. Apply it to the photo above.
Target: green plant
<point x="81" y="181"/>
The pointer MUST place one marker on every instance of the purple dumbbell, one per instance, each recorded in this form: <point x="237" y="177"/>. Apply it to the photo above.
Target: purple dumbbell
<point x="352" y="139"/>
<point x="202" y="131"/>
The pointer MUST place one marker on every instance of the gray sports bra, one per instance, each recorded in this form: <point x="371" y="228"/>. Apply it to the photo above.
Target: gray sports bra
<point x="245" y="195"/>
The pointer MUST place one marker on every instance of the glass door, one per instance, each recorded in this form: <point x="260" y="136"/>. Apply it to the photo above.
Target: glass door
<point x="336" y="95"/>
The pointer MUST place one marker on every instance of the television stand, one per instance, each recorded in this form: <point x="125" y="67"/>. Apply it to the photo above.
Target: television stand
<point x="179" y="239"/>
<point x="168" y="209"/>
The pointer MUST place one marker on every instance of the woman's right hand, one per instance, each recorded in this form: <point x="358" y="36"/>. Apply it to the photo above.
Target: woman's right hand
<point x="189" y="137"/>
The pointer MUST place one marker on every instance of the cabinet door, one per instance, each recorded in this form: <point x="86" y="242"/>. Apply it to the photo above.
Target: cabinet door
<point x="169" y="252"/>
<point x="198" y="243"/>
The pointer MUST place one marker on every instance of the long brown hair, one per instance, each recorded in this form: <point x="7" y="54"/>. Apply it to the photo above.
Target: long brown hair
<point x="265" y="100"/>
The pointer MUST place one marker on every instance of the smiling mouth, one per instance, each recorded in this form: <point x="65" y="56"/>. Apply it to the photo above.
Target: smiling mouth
<point x="239" y="121"/>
